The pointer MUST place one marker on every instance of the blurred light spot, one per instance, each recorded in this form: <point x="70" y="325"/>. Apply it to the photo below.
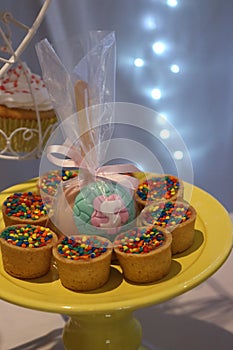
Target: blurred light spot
<point x="149" y="23"/>
<point x="175" y="68"/>
<point x="156" y="94"/>
<point x="162" y="119"/>
<point x="164" y="134"/>
<point x="178" y="155"/>
<point x="158" y="47"/>
<point x="139" y="62"/>
<point x="172" y="3"/>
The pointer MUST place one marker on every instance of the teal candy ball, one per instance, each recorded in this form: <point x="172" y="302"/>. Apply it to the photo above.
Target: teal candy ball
<point x="103" y="208"/>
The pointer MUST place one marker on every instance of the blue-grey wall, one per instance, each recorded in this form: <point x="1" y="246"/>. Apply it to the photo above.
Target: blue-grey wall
<point x="198" y="100"/>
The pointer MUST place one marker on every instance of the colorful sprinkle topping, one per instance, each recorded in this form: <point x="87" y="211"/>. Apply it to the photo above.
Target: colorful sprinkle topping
<point x="140" y="240"/>
<point x="27" y="205"/>
<point x="27" y="236"/>
<point x="11" y="82"/>
<point x="50" y="181"/>
<point x="83" y="248"/>
<point x="158" y="188"/>
<point x="166" y="214"/>
<point x="15" y="91"/>
<point x="68" y="174"/>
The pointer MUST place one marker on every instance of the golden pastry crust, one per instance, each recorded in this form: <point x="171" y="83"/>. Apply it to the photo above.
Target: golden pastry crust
<point x="84" y="275"/>
<point x="43" y="220"/>
<point x="146" y="267"/>
<point x="183" y="233"/>
<point x="12" y="220"/>
<point x="26" y="262"/>
<point x="142" y="202"/>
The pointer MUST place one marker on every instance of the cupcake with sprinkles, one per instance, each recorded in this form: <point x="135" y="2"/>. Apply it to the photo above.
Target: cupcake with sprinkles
<point x="144" y="253"/>
<point x="154" y="188"/>
<point x="177" y="217"/>
<point x="27" y="250"/>
<point x="24" y="208"/>
<point x="22" y="94"/>
<point x="83" y="262"/>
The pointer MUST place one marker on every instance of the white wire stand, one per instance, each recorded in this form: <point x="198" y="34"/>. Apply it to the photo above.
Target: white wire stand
<point x="7" y="18"/>
<point x="28" y="134"/>
<point x="12" y="56"/>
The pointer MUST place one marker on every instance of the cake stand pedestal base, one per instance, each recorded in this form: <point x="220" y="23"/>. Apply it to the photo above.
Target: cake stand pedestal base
<point x="101" y="331"/>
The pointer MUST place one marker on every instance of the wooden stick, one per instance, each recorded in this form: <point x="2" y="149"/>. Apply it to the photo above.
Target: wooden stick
<point x="83" y="100"/>
<point x="81" y="90"/>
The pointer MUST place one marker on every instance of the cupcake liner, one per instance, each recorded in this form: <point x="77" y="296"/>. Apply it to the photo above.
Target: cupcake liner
<point x="21" y="141"/>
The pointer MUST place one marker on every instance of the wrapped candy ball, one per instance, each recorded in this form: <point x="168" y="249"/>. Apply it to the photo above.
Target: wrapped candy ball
<point x="103" y="206"/>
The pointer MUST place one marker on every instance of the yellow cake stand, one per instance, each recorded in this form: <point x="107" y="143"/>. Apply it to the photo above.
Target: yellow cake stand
<point x="103" y="319"/>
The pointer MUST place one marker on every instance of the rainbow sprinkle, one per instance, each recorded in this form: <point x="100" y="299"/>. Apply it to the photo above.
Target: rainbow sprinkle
<point x="27" y="205"/>
<point x="49" y="182"/>
<point x="27" y="236"/>
<point x="140" y="240"/>
<point x="157" y="188"/>
<point x="166" y="214"/>
<point x="83" y="248"/>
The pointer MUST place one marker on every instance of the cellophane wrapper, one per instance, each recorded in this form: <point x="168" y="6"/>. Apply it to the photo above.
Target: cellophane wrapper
<point x="83" y="96"/>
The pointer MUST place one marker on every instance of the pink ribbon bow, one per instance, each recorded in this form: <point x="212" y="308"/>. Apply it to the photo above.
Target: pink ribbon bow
<point x="114" y="173"/>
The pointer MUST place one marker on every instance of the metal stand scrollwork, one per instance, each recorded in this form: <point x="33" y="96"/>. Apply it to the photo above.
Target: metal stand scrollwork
<point x="10" y="56"/>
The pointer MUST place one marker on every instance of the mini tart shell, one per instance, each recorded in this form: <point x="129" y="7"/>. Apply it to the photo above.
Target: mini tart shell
<point x="27" y="262"/>
<point x="59" y="178"/>
<point x="84" y="275"/>
<point x="14" y="220"/>
<point x="146" y="267"/>
<point x="44" y="221"/>
<point x="41" y="179"/>
<point x="140" y="203"/>
<point x="182" y="233"/>
<point x="66" y="199"/>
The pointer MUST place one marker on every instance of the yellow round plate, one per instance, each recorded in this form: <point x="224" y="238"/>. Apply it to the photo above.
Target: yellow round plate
<point x="213" y="243"/>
